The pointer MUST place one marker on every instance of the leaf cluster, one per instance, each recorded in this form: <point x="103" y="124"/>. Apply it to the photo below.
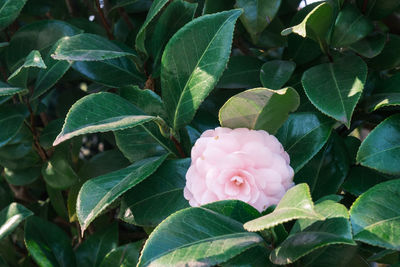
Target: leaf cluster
<point x="102" y="101"/>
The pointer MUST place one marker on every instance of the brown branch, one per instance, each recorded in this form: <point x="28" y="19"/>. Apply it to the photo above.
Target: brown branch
<point x="70" y="7"/>
<point x="393" y="23"/>
<point x="178" y="147"/>
<point x="78" y="227"/>
<point x="364" y="7"/>
<point x="238" y="43"/>
<point x="44" y="118"/>
<point x="126" y="18"/>
<point x="150" y="83"/>
<point x="13" y="28"/>
<point x="6" y="34"/>
<point x="21" y="193"/>
<point x="4" y="73"/>
<point x="104" y="21"/>
<point x="42" y="153"/>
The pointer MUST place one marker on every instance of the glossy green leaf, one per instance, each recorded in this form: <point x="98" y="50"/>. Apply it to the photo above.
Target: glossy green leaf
<point x="11" y="217"/>
<point x="335" y="229"/>
<point x="327" y="207"/>
<point x="48" y="244"/>
<point x="145" y="99"/>
<point x="4" y="99"/>
<point x="334" y="255"/>
<point x="274" y="74"/>
<point x="352" y="144"/>
<point x="378" y="101"/>
<point x="50" y="132"/>
<point x="58" y="173"/>
<point x="188" y="77"/>
<point x="315" y="25"/>
<point x="11" y="119"/>
<point x="123" y="256"/>
<point x="98" y="193"/>
<point x="241" y="72"/>
<point x="360" y="179"/>
<point x="48" y="77"/>
<point x="116" y="72"/>
<point x="350" y="26"/>
<point x="9" y="11"/>
<point x="303" y="135"/>
<point x="199" y="236"/>
<point x="380" y="225"/>
<point x="381" y="150"/>
<point x="57" y="201"/>
<point x="386" y="94"/>
<point x="8" y="253"/>
<point x="18" y="153"/>
<point x="100" y="112"/>
<point x="145" y="140"/>
<point x="88" y="47"/>
<point x="378" y="9"/>
<point x="370" y="46"/>
<point x="21" y="177"/>
<point x="28" y="161"/>
<point x="155" y="9"/>
<point x="389" y="58"/>
<point x="254" y="257"/>
<point x="27" y="39"/>
<point x="6" y="90"/>
<point x="335" y="88"/>
<point x="20" y="144"/>
<point x="259" y="108"/>
<point x="242" y="212"/>
<point x="326" y="171"/>
<point x="271" y="37"/>
<point x="3" y="45"/>
<point x="234" y="209"/>
<point x="257" y="15"/>
<point x="385" y="256"/>
<point x="92" y="252"/>
<point x="160" y="195"/>
<point x="20" y="77"/>
<point x="302" y="50"/>
<point x="103" y="163"/>
<point x="175" y="16"/>
<point x="100" y="164"/>
<point x="295" y="204"/>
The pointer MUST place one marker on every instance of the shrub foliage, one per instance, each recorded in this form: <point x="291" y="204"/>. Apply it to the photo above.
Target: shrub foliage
<point x="101" y="102"/>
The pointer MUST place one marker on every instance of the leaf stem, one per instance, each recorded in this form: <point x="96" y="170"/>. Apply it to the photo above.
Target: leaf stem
<point x="325" y="49"/>
<point x="178" y="147"/>
<point x="70" y="7"/>
<point x="104" y="21"/>
<point x="42" y="153"/>
<point x="364" y="7"/>
<point x="126" y="18"/>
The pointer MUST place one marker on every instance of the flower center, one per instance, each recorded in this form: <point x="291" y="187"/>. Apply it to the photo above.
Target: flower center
<point x="237" y="180"/>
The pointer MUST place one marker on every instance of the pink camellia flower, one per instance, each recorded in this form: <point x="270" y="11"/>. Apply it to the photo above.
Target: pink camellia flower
<point x="241" y="164"/>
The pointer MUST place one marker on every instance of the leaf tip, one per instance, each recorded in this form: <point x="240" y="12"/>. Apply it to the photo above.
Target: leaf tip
<point x="287" y="31"/>
<point x="60" y="138"/>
